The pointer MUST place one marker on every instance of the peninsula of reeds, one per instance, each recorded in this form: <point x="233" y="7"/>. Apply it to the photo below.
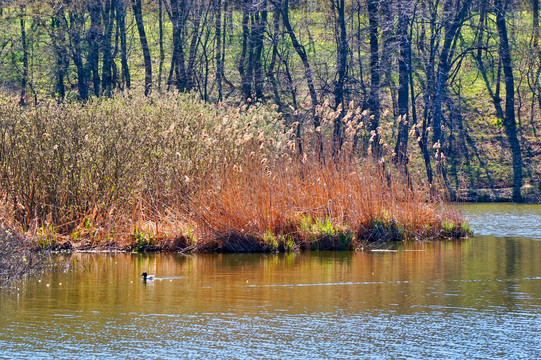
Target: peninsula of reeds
<point x="169" y="172"/>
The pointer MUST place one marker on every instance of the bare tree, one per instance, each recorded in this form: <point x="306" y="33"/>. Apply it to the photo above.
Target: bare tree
<point x="509" y="118"/>
<point x="24" y="79"/>
<point x="137" y="11"/>
<point x="404" y="73"/>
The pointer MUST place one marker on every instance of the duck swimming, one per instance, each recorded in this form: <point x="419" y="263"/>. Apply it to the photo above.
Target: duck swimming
<point x="147" y="277"/>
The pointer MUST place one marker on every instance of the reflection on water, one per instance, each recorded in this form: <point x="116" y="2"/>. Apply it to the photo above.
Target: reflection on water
<point x="479" y="298"/>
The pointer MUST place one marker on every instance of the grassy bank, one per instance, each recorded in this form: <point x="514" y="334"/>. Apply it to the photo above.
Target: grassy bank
<point x="171" y="172"/>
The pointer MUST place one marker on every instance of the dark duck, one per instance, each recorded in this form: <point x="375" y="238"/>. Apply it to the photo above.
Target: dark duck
<point x="147" y="277"/>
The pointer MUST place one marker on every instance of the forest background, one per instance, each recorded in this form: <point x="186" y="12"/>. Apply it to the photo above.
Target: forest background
<point x="465" y="75"/>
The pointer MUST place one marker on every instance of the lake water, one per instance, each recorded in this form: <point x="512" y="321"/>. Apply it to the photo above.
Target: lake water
<point x="477" y="298"/>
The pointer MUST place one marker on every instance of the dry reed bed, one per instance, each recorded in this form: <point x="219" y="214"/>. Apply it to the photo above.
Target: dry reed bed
<point x="173" y="173"/>
<point x="315" y="205"/>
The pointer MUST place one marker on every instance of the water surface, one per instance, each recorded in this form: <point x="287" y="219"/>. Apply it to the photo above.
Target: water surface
<point x="477" y="298"/>
<point x="505" y="219"/>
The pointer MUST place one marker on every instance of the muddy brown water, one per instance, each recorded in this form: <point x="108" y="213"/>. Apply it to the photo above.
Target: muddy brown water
<point x="476" y="298"/>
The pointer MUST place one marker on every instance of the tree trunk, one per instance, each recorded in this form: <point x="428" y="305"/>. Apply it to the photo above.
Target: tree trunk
<point x="270" y="71"/>
<point x="246" y="81"/>
<point x="138" y="13"/>
<point x="342" y="54"/>
<point x="388" y="48"/>
<point x="107" y="65"/>
<point x="509" y="120"/>
<point x="452" y="26"/>
<point x="218" y="32"/>
<point x="260" y="18"/>
<point x="537" y="82"/>
<point x="360" y="56"/>
<point x="58" y="38"/>
<point x="535" y="23"/>
<point x="374" y="100"/>
<point x="75" y="29"/>
<point x="94" y="39"/>
<point x="24" y="80"/>
<point x="422" y="138"/>
<point x="121" y="21"/>
<point x="178" y="63"/>
<point x="301" y="52"/>
<point x="193" y="46"/>
<point x="162" y="51"/>
<point x="404" y="62"/>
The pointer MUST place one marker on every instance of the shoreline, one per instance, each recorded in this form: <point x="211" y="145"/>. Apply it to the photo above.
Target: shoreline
<point x="19" y="258"/>
<point x="530" y="195"/>
<point x="242" y="245"/>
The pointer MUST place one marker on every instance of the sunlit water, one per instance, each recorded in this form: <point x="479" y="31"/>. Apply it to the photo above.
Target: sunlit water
<point x="477" y="298"/>
<point x="505" y="220"/>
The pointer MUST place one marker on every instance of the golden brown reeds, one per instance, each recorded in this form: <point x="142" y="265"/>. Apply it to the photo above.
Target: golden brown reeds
<point x="314" y="204"/>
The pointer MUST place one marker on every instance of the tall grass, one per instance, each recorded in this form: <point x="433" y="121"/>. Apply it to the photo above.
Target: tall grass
<point x="172" y="172"/>
<point x="274" y="197"/>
